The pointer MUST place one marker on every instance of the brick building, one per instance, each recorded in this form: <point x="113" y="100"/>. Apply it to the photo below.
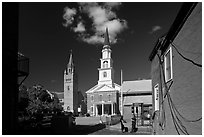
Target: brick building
<point x="176" y="73"/>
<point x="137" y="94"/>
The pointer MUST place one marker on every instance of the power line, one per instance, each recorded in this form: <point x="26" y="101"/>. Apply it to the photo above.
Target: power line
<point x="185" y="119"/>
<point x="173" y="45"/>
<point x="177" y="122"/>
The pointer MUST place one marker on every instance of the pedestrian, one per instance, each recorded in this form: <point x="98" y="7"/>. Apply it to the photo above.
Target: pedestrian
<point x="133" y="119"/>
<point x="123" y="128"/>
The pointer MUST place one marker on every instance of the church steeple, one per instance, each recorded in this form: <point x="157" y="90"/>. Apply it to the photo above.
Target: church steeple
<point x="106" y="39"/>
<point x="70" y="64"/>
<point x="106" y="71"/>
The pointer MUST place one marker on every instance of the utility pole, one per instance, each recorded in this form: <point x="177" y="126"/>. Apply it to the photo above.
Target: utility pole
<point x="121" y="91"/>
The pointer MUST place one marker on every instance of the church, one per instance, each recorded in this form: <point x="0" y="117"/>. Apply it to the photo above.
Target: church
<point x="103" y="98"/>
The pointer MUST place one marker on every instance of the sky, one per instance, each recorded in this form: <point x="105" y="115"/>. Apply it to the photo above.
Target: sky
<point x="48" y="31"/>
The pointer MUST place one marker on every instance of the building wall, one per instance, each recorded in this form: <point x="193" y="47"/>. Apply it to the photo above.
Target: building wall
<point x="129" y="100"/>
<point x="104" y="98"/>
<point x="186" y="90"/>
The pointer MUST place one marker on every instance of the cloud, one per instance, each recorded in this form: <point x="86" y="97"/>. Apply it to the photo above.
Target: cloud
<point x="80" y="27"/>
<point x="102" y="16"/>
<point x="95" y="39"/>
<point x="69" y="16"/>
<point x="113" y="4"/>
<point x="155" y="28"/>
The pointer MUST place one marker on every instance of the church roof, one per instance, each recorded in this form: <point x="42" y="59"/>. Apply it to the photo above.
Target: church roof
<point x="70" y="59"/>
<point x="104" y="87"/>
<point x="60" y="95"/>
<point x="106" y="39"/>
<point x="139" y="86"/>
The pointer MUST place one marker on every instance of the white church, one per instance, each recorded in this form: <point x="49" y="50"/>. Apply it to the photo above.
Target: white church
<point x="103" y="98"/>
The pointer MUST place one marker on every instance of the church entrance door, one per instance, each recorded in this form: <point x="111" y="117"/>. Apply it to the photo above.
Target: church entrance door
<point x="99" y="108"/>
<point x="107" y="109"/>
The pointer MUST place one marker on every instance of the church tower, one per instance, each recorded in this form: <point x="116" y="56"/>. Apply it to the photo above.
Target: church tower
<point x="70" y="87"/>
<point x="106" y="71"/>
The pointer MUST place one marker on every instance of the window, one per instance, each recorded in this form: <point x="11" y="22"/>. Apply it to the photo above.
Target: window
<point x="109" y="97"/>
<point x="68" y="88"/>
<point x="168" y="65"/>
<point x="100" y="97"/>
<point x="91" y="109"/>
<point x="104" y="74"/>
<point x="156" y="97"/>
<point x="105" y="64"/>
<point x="92" y="98"/>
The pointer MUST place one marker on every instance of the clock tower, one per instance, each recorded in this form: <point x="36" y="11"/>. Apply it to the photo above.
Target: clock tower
<point x="106" y="71"/>
<point x="70" y="87"/>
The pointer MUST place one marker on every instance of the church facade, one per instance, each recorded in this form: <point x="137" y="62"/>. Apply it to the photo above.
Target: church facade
<point x="70" y="88"/>
<point x="103" y="98"/>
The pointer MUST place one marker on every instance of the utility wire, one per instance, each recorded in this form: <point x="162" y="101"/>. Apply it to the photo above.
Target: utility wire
<point x="185" y="119"/>
<point x="176" y="124"/>
<point x="182" y="128"/>
<point x="173" y="45"/>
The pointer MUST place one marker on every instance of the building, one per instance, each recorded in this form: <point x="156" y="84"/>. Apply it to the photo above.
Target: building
<point x="60" y="96"/>
<point x="103" y="98"/>
<point x="82" y="108"/>
<point x="70" y="88"/>
<point x="176" y="71"/>
<point x="137" y="98"/>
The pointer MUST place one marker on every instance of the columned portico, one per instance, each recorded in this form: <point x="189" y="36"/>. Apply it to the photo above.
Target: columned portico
<point x="112" y="109"/>
<point x="104" y="109"/>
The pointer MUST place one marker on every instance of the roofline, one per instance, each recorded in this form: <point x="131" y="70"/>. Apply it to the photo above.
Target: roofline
<point x="183" y="14"/>
<point x="137" y="80"/>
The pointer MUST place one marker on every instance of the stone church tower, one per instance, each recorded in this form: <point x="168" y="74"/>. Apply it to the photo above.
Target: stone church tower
<point x="70" y="87"/>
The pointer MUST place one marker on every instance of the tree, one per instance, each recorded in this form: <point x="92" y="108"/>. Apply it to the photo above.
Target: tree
<point x="42" y="101"/>
<point x="23" y="100"/>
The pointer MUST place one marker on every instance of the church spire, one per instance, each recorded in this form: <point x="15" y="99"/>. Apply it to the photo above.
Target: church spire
<point x="70" y="64"/>
<point x="106" y="38"/>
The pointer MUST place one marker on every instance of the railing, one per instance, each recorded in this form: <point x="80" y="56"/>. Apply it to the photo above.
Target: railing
<point x="23" y="66"/>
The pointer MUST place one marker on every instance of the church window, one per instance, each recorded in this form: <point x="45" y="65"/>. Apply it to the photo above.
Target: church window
<point x="92" y="98"/>
<point x="67" y="87"/>
<point x="105" y="64"/>
<point x="109" y="97"/>
<point x="104" y="74"/>
<point x="70" y="70"/>
<point x="100" y="97"/>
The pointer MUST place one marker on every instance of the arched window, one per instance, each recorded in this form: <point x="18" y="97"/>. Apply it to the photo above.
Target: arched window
<point x="104" y="74"/>
<point x="105" y="64"/>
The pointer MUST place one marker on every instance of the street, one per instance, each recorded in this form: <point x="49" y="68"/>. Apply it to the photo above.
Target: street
<point x="85" y="126"/>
